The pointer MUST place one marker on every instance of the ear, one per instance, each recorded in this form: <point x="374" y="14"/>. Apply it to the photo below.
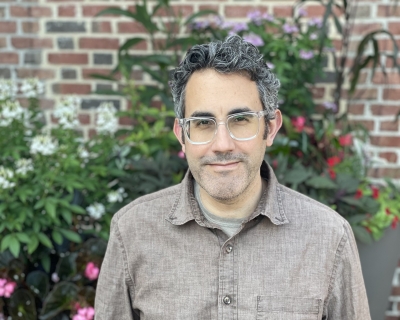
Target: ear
<point x="178" y="131"/>
<point x="274" y="126"/>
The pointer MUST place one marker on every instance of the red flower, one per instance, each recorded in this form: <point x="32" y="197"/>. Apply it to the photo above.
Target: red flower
<point x="387" y="211"/>
<point x="394" y="222"/>
<point x="375" y="192"/>
<point x="332" y="161"/>
<point x="299" y="154"/>
<point x="346" y="140"/>
<point x="298" y="123"/>
<point x="275" y="163"/>
<point x="332" y="174"/>
<point x="368" y="229"/>
<point x="358" y="194"/>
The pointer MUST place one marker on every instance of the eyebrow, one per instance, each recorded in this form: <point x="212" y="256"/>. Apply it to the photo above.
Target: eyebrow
<point x="209" y="114"/>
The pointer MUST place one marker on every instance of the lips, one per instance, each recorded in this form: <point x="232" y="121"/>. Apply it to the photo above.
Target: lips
<point x="224" y="166"/>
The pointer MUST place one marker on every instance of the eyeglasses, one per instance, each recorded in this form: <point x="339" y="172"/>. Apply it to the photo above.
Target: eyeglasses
<point x="241" y="126"/>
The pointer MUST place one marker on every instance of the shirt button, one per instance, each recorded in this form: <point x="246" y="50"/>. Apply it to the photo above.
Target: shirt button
<point x="229" y="248"/>
<point x="227" y="300"/>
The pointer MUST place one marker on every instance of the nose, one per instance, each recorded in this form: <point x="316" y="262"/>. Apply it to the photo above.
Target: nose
<point x="222" y="142"/>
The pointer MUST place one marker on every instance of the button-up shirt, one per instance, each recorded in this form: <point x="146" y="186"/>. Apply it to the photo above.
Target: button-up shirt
<point x="292" y="259"/>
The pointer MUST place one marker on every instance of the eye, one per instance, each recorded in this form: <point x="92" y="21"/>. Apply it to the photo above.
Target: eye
<point x="203" y="122"/>
<point x="241" y="118"/>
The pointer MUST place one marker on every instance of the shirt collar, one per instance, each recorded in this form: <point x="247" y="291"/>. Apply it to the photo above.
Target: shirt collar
<point x="186" y="208"/>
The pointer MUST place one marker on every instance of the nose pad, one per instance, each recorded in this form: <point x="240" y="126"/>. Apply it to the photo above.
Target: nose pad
<point x="223" y="141"/>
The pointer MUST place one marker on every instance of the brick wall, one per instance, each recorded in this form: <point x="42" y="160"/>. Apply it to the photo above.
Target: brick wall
<point x="62" y="43"/>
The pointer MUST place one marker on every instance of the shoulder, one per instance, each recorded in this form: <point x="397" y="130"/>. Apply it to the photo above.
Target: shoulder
<point x="303" y="210"/>
<point x="148" y="206"/>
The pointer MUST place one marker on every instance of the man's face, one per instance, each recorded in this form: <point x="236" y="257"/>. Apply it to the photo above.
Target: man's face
<point x="224" y="168"/>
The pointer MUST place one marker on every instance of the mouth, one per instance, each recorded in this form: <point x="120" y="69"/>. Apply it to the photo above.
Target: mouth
<point x="224" y="165"/>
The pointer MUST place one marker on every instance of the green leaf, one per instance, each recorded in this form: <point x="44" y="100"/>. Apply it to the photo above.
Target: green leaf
<point x="71" y="235"/>
<point x="77" y="209"/>
<point x="45" y="261"/>
<point x="356" y="219"/>
<point x="66" y="214"/>
<point x="38" y="282"/>
<point x="118" y="12"/>
<point x="66" y="266"/>
<point x="22" y="305"/>
<point x="130" y="43"/>
<point x="58" y="300"/>
<point x="321" y="183"/>
<point x="200" y="13"/>
<point x="297" y="176"/>
<point x="5" y="242"/>
<point x="44" y="240"/>
<point x="361" y="234"/>
<point x="14" y="246"/>
<point x="33" y="244"/>
<point x="57" y="237"/>
<point x="23" y="237"/>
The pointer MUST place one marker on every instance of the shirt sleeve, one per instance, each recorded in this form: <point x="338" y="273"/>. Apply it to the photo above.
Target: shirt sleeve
<point x="347" y="295"/>
<point x="113" y="293"/>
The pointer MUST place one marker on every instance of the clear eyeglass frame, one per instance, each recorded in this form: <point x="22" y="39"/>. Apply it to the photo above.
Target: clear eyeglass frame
<point x="259" y="114"/>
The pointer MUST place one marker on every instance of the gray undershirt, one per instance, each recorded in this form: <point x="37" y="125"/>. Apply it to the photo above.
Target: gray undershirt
<point x="228" y="225"/>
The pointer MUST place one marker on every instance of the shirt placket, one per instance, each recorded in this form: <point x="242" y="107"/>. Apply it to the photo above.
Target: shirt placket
<point x="227" y="289"/>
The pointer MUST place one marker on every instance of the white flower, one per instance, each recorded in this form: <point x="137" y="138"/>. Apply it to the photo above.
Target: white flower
<point x="116" y="196"/>
<point x="83" y="153"/>
<point x="8" y="89"/>
<point x="107" y="122"/>
<point x="96" y="210"/>
<point x="32" y="87"/>
<point x="5" y="176"/>
<point x="43" y="144"/>
<point x="24" y="166"/>
<point x="67" y="112"/>
<point x="11" y="110"/>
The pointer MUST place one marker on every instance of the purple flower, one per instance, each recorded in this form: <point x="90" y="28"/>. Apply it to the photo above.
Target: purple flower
<point x="287" y="28"/>
<point x="268" y="17"/>
<point x="302" y="12"/>
<point x="239" y="26"/>
<point x="255" y="16"/>
<point x="254" y="39"/>
<point x="313" y="36"/>
<point x="315" y="22"/>
<point x="270" y="65"/>
<point x="306" y="55"/>
<point x="330" y="106"/>
<point x="226" y="25"/>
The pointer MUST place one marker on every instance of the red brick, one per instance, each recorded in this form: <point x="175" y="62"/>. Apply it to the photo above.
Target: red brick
<point x="387" y="44"/>
<point x="383" y="141"/>
<point x="87" y="72"/>
<point x="92" y="133"/>
<point x="25" y="43"/>
<point x="315" y="11"/>
<point x="393" y="173"/>
<point x="391" y="94"/>
<point x="390" y="157"/>
<point x="66" y="11"/>
<point x="283" y="11"/>
<point x="394" y="27"/>
<point x="30" y="27"/>
<point x="84" y="118"/>
<point x="91" y="11"/>
<point x="68" y="58"/>
<point x="63" y="0"/>
<point x="356" y="109"/>
<point x="318" y="92"/>
<point x="3" y="42"/>
<point x="389" y="78"/>
<point x="130" y="27"/>
<point x="364" y="28"/>
<point x="101" y="27"/>
<point x="35" y="12"/>
<point x="8" y="58"/>
<point x="368" y="124"/>
<point x="98" y="43"/>
<point x="390" y="64"/>
<point x="35" y="73"/>
<point x="71" y="88"/>
<point x="388" y="11"/>
<point x="8" y="27"/>
<point x="209" y="7"/>
<point x="240" y="11"/>
<point x="125" y="121"/>
<point x="389" y="126"/>
<point x="363" y="94"/>
<point x="384" y="110"/>
<point x="178" y="10"/>
<point x="45" y="104"/>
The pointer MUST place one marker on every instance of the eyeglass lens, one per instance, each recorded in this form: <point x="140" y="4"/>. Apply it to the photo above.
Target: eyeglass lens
<point x="241" y="126"/>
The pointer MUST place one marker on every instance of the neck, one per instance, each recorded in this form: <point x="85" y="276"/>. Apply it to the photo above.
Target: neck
<point x="237" y="208"/>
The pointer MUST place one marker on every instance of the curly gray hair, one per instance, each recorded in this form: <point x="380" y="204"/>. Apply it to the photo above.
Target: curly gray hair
<point x="233" y="55"/>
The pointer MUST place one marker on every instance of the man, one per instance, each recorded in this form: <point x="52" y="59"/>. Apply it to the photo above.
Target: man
<point x="229" y="242"/>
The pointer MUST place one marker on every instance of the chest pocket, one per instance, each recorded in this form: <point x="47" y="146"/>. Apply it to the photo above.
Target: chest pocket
<point x="288" y="308"/>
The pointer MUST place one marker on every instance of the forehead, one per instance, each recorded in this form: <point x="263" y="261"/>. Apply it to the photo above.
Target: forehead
<point x="218" y="94"/>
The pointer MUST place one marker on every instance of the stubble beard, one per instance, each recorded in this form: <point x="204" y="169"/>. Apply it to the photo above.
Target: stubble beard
<point x="224" y="186"/>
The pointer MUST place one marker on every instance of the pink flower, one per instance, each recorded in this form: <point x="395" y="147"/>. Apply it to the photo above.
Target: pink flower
<point x="254" y="39"/>
<point x="298" y="123"/>
<point x="332" y="161"/>
<point x="346" y="140"/>
<point x="91" y="271"/>
<point x="332" y="173"/>
<point x="84" y="314"/>
<point x="375" y="192"/>
<point x="287" y="28"/>
<point x="181" y="154"/>
<point x="358" y="194"/>
<point x="6" y="288"/>
<point x="315" y="22"/>
<point x="330" y="106"/>
<point x="306" y="55"/>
